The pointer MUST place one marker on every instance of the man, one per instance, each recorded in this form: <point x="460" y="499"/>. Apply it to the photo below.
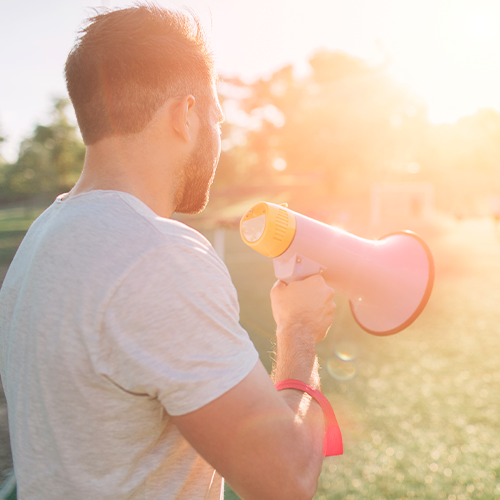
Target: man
<point x="126" y="373"/>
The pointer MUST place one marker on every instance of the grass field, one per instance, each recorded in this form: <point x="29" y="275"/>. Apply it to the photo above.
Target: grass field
<point x="14" y="222"/>
<point x="419" y="411"/>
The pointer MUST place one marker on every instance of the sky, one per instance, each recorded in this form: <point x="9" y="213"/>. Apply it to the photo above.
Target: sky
<point x="447" y="51"/>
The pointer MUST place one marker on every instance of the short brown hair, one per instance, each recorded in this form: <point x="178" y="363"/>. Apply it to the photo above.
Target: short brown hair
<point x="126" y="63"/>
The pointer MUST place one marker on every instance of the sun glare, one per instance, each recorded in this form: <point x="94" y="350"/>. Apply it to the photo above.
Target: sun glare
<point x="449" y="55"/>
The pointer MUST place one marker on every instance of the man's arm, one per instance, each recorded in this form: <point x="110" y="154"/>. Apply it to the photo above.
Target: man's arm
<point x="268" y="444"/>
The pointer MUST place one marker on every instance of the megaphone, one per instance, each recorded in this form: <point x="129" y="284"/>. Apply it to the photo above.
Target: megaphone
<point x="388" y="281"/>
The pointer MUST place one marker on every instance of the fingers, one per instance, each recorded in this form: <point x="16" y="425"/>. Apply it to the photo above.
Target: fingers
<point x="307" y="304"/>
<point x="317" y="282"/>
<point x="312" y="284"/>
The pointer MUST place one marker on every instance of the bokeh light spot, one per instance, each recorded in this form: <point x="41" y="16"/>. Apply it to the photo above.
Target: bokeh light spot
<point x="413" y="168"/>
<point x="279" y="164"/>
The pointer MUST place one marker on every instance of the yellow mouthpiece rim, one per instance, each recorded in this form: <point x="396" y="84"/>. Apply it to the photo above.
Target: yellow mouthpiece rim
<point x="268" y="228"/>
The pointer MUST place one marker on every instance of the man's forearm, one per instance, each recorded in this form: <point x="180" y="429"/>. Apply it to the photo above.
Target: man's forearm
<point x="295" y="358"/>
<point x="303" y="311"/>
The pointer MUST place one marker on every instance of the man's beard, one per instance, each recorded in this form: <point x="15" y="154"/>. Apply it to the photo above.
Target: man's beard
<point x="198" y="172"/>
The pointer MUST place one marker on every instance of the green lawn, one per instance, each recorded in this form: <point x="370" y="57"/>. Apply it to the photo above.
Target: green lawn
<point x="14" y="222"/>
<point x="419" y="411"/>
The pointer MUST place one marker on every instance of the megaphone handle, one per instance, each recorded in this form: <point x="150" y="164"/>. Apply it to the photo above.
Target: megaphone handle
<point x="296" y="268"/>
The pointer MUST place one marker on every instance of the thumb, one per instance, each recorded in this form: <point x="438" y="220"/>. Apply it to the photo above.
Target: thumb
<point x="279" y="284"/>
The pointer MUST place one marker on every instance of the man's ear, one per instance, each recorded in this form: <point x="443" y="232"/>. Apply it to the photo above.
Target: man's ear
<point x="184" y="117"/>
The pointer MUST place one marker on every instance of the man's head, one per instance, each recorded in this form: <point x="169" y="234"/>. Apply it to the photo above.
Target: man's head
<point x="127" y="63"/>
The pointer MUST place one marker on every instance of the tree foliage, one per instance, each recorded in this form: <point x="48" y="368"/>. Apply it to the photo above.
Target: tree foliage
<point x="50" y="161"/>
<point x="337" y="123"/>
<point x="347" y="125"/>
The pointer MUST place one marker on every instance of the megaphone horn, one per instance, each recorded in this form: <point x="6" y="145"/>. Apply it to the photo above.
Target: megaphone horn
<point x="388" y="281"/>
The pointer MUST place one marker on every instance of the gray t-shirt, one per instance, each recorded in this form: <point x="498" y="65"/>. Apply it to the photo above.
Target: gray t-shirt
<point x="112" y="319"/>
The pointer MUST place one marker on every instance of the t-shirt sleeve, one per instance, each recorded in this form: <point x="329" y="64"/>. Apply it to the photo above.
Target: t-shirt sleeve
<point x="171" y="329"/>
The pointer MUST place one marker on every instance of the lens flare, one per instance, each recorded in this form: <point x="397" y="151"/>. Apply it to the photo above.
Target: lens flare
<point x="341" y="370"/>
<point x="346" y="350"/>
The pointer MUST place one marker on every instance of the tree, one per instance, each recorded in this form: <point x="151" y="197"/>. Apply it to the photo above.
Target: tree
<point x="2" y="139"/>
<point x="3" y="165"/>
<point x="347" y="123"/>
<point x="464" y="158"/>
<point x="50" y="161"/>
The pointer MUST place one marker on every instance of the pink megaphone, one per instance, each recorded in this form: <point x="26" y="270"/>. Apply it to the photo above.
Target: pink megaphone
<point x="388" y="281"/>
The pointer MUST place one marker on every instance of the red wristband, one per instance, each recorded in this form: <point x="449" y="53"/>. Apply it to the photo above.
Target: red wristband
<point x="332" y="444"/>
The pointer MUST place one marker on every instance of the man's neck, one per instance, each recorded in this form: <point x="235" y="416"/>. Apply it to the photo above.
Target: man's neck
<point x="131" y="167"/>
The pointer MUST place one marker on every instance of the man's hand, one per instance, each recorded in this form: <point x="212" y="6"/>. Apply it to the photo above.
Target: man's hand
<point x="304" y="308"/>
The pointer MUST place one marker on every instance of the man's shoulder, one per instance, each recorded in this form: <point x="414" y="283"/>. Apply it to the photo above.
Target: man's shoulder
<point x="116" y="218"/>
<point x="97" y="238"/>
